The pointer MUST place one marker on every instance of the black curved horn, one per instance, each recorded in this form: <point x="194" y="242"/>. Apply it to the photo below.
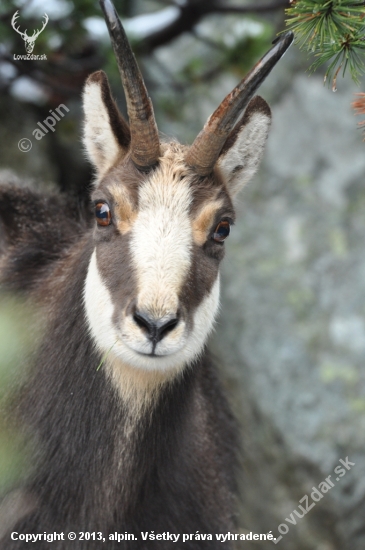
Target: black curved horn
<point x="207" y="146"/>
<point x="145" y="143"/>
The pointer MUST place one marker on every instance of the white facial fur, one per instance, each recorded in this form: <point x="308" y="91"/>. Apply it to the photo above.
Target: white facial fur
<point x="124" y="342"/>
<point x="161" y="242"/>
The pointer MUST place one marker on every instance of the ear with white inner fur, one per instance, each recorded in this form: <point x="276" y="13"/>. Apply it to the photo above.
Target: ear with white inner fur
<point x="244" y="148"/>
<point x="106" y="134"/>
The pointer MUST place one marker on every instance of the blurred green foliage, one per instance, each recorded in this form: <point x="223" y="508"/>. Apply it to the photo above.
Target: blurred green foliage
<point x="17" y="334"/>
<point x="246" y="49"/>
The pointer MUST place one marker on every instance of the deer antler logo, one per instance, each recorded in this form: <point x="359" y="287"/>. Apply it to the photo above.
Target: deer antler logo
<point x="29" y="40"/>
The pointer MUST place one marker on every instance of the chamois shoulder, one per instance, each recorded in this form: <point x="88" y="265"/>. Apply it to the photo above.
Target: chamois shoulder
<point x="35" y="230"/>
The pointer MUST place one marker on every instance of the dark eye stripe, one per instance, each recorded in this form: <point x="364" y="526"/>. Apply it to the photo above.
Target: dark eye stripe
<point x="222" y="231"/>
<point x="103" y="214"/>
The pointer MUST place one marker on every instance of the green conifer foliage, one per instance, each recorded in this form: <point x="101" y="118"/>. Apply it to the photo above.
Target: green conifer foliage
<point x="334" y="31"/>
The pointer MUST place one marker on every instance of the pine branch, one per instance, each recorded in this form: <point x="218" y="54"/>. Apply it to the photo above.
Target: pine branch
<point x="334" y="31"/>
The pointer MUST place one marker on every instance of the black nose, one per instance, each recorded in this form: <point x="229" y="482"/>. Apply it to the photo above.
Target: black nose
<point x="156" y="329"/>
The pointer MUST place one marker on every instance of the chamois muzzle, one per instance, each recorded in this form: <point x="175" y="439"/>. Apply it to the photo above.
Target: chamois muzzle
<point x="145" y="143"/>
<point x="207" y="146"/>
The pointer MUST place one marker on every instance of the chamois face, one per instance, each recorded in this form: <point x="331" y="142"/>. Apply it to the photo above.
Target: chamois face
<point x="152" y="288"/>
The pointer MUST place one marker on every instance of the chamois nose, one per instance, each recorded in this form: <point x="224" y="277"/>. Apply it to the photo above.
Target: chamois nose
<point x="156" y="329"/>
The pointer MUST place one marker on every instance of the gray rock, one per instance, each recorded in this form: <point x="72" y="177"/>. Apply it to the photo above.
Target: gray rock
<point x="292" y="327"/>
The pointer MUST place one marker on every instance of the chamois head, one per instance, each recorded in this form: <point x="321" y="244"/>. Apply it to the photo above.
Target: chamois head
<point x="163" y="212"/>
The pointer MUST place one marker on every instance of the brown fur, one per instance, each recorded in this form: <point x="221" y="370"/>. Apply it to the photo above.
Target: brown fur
<point x="124" y="211"/>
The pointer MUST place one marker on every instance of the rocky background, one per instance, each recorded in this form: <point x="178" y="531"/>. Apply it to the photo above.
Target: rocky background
<point x="291" y="334"/>
<point x="292" y="329"/>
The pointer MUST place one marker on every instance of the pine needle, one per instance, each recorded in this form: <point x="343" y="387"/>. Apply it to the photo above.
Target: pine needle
<point x="334" y="31"/>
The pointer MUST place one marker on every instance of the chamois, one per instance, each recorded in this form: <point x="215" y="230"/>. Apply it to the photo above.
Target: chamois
<point x="130" y="427"/>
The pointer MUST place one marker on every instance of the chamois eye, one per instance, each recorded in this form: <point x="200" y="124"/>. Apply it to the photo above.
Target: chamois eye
<point x="103" y="214"/>
<point x="221" y="232"/>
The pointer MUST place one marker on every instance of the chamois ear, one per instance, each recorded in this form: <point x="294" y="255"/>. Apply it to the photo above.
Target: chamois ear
<point x="242" y="152"/>
<point x="106" y="133"/>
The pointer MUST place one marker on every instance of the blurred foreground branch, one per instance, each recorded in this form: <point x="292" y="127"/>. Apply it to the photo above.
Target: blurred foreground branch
<point x="191" y="14"/>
